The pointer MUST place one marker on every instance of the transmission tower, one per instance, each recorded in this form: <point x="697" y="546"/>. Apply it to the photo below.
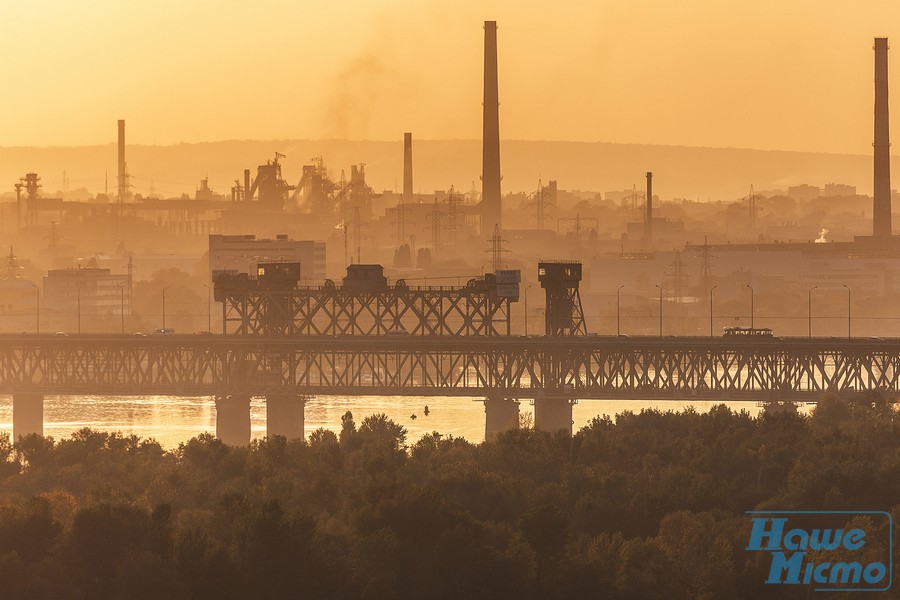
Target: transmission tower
<point x="544" y="198"/>
<point x="751" y="204"/>
<point x="577" y="229"/>
<point x="12" y="269"/>
<point x="678" y="273"/>
<point x="496" y="249"/>
<point x="453" y="201"/>
<point x="436" y="216"/>
<point x="540" y="205"/>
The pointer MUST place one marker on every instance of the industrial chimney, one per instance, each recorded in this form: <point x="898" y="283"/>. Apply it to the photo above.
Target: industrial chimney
<point x="881" y="212"/>
<point x="247" y="195"/>
<point x="123" y="176"/>
<point x="648" y="215"/>
<point x="407" y="168"/>
<point x="490" y="169"/>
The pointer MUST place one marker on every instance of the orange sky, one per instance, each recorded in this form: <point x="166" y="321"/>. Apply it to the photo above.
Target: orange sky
<point x="769" y="74"/>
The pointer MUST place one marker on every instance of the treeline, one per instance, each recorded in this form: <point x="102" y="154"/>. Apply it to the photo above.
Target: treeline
<point x="649" y="506"/>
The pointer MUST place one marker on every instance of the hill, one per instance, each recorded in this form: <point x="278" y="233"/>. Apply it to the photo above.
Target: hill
<point x="679" y="171"/>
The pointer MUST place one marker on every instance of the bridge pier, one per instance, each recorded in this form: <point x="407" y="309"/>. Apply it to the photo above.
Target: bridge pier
<point x="552" y="413"/>
<point x="28" y="415"/>
<point x="500" y="414"/>
<point x="233" y="420"/>
<point x="285" y="415"/>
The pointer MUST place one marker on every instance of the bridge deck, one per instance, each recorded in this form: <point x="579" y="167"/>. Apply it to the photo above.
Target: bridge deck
<point x="520" y="367"/>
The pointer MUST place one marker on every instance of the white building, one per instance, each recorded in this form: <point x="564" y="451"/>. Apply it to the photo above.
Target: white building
<point x="242" y="253"/>
<point x="93" y="292"/>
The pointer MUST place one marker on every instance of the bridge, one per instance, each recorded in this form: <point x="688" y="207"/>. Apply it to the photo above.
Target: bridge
<point x="553" y="371"/>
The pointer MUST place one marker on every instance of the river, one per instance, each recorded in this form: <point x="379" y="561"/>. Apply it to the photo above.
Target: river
<point x="172" y="420"/>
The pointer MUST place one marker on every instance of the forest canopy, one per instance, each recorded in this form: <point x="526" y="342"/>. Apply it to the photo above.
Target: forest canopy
<point x="648" y="505"/>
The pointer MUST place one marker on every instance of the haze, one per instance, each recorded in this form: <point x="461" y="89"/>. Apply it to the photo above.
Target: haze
<point x="766" y="74"/>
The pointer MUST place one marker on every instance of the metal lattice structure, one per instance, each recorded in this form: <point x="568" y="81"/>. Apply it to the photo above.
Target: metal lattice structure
<point x="584" y="368"/>
<point x="332" y="311"/>
<point x="564" y="315"/>
<point x="365" y="306"/>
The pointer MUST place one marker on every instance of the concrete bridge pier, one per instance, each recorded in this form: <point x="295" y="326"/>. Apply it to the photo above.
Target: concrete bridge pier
<point x="28" y="415"/>
<point x="501" y="414"/>
<point x="233" y="419"/>
<point x="285" y="415"/>
<point x="552" y="413"/>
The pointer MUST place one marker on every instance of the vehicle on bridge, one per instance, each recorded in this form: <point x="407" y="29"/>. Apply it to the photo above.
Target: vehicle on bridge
<point x="747" y="332"/>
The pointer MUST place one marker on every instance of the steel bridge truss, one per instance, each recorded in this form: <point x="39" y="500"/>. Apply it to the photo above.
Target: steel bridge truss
<point x="395" y="365"/>
<point x="331" y="311"/>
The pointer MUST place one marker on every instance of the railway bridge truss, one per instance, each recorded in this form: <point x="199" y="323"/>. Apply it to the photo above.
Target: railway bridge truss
<point x="552" y="371"/>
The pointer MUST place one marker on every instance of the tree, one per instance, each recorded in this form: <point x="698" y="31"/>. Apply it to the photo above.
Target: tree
<point x="382" y="432"/>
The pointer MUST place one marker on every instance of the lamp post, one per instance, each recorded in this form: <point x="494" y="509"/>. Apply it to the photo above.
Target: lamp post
<point x="660" y="309"/>
<point x="711" y="290"/>
<point x="122" y="307"/>
<point x="79" y="309"/>
<point x="164" y="308"/>
<point x="809" y="310"/>
<point x="37" y="312"/>
<point x="618" y="310"/>
<point x="209" y="308"/>
<point x="848" y="309"/>
<point x="526" y="309"/>
<point x="751" y="305"/>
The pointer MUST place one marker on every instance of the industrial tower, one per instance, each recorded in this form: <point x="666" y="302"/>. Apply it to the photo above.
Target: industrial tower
<point x="490" y="169"/>
<point x="564" y="315"/>
<point x="881" y="212"/>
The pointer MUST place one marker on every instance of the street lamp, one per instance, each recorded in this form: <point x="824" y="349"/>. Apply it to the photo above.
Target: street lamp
<point x="209" y="308"/>
<point x="164" y="308"/>
<point x="809" y="310"/>
<point x="751" y="305"/>
<point x="660" y="309"/>
<point x="618" y="311"/>
<point x="848" y="309"/>
<point x="79" y="308"/>
<point x="122" y="305"/>
<point x="526" y="309"/>
<point x="711" y="309"/>
<point x="37" y="312"/>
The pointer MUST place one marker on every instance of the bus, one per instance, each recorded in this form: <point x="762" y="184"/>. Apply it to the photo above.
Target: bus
<point x="747" y="332"/>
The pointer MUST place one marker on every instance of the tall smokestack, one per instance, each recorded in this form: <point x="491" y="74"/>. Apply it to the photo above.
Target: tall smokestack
<point x="881" y="212"/>
<point x="407" y="167"/>
<point x="648" y="216"/>
<point x="123" y="183"/>
<point x="246" y="184"/>
<point x="490" y="167"/>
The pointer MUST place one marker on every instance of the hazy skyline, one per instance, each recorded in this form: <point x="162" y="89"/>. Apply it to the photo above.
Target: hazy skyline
<point x="767" y="75"/>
